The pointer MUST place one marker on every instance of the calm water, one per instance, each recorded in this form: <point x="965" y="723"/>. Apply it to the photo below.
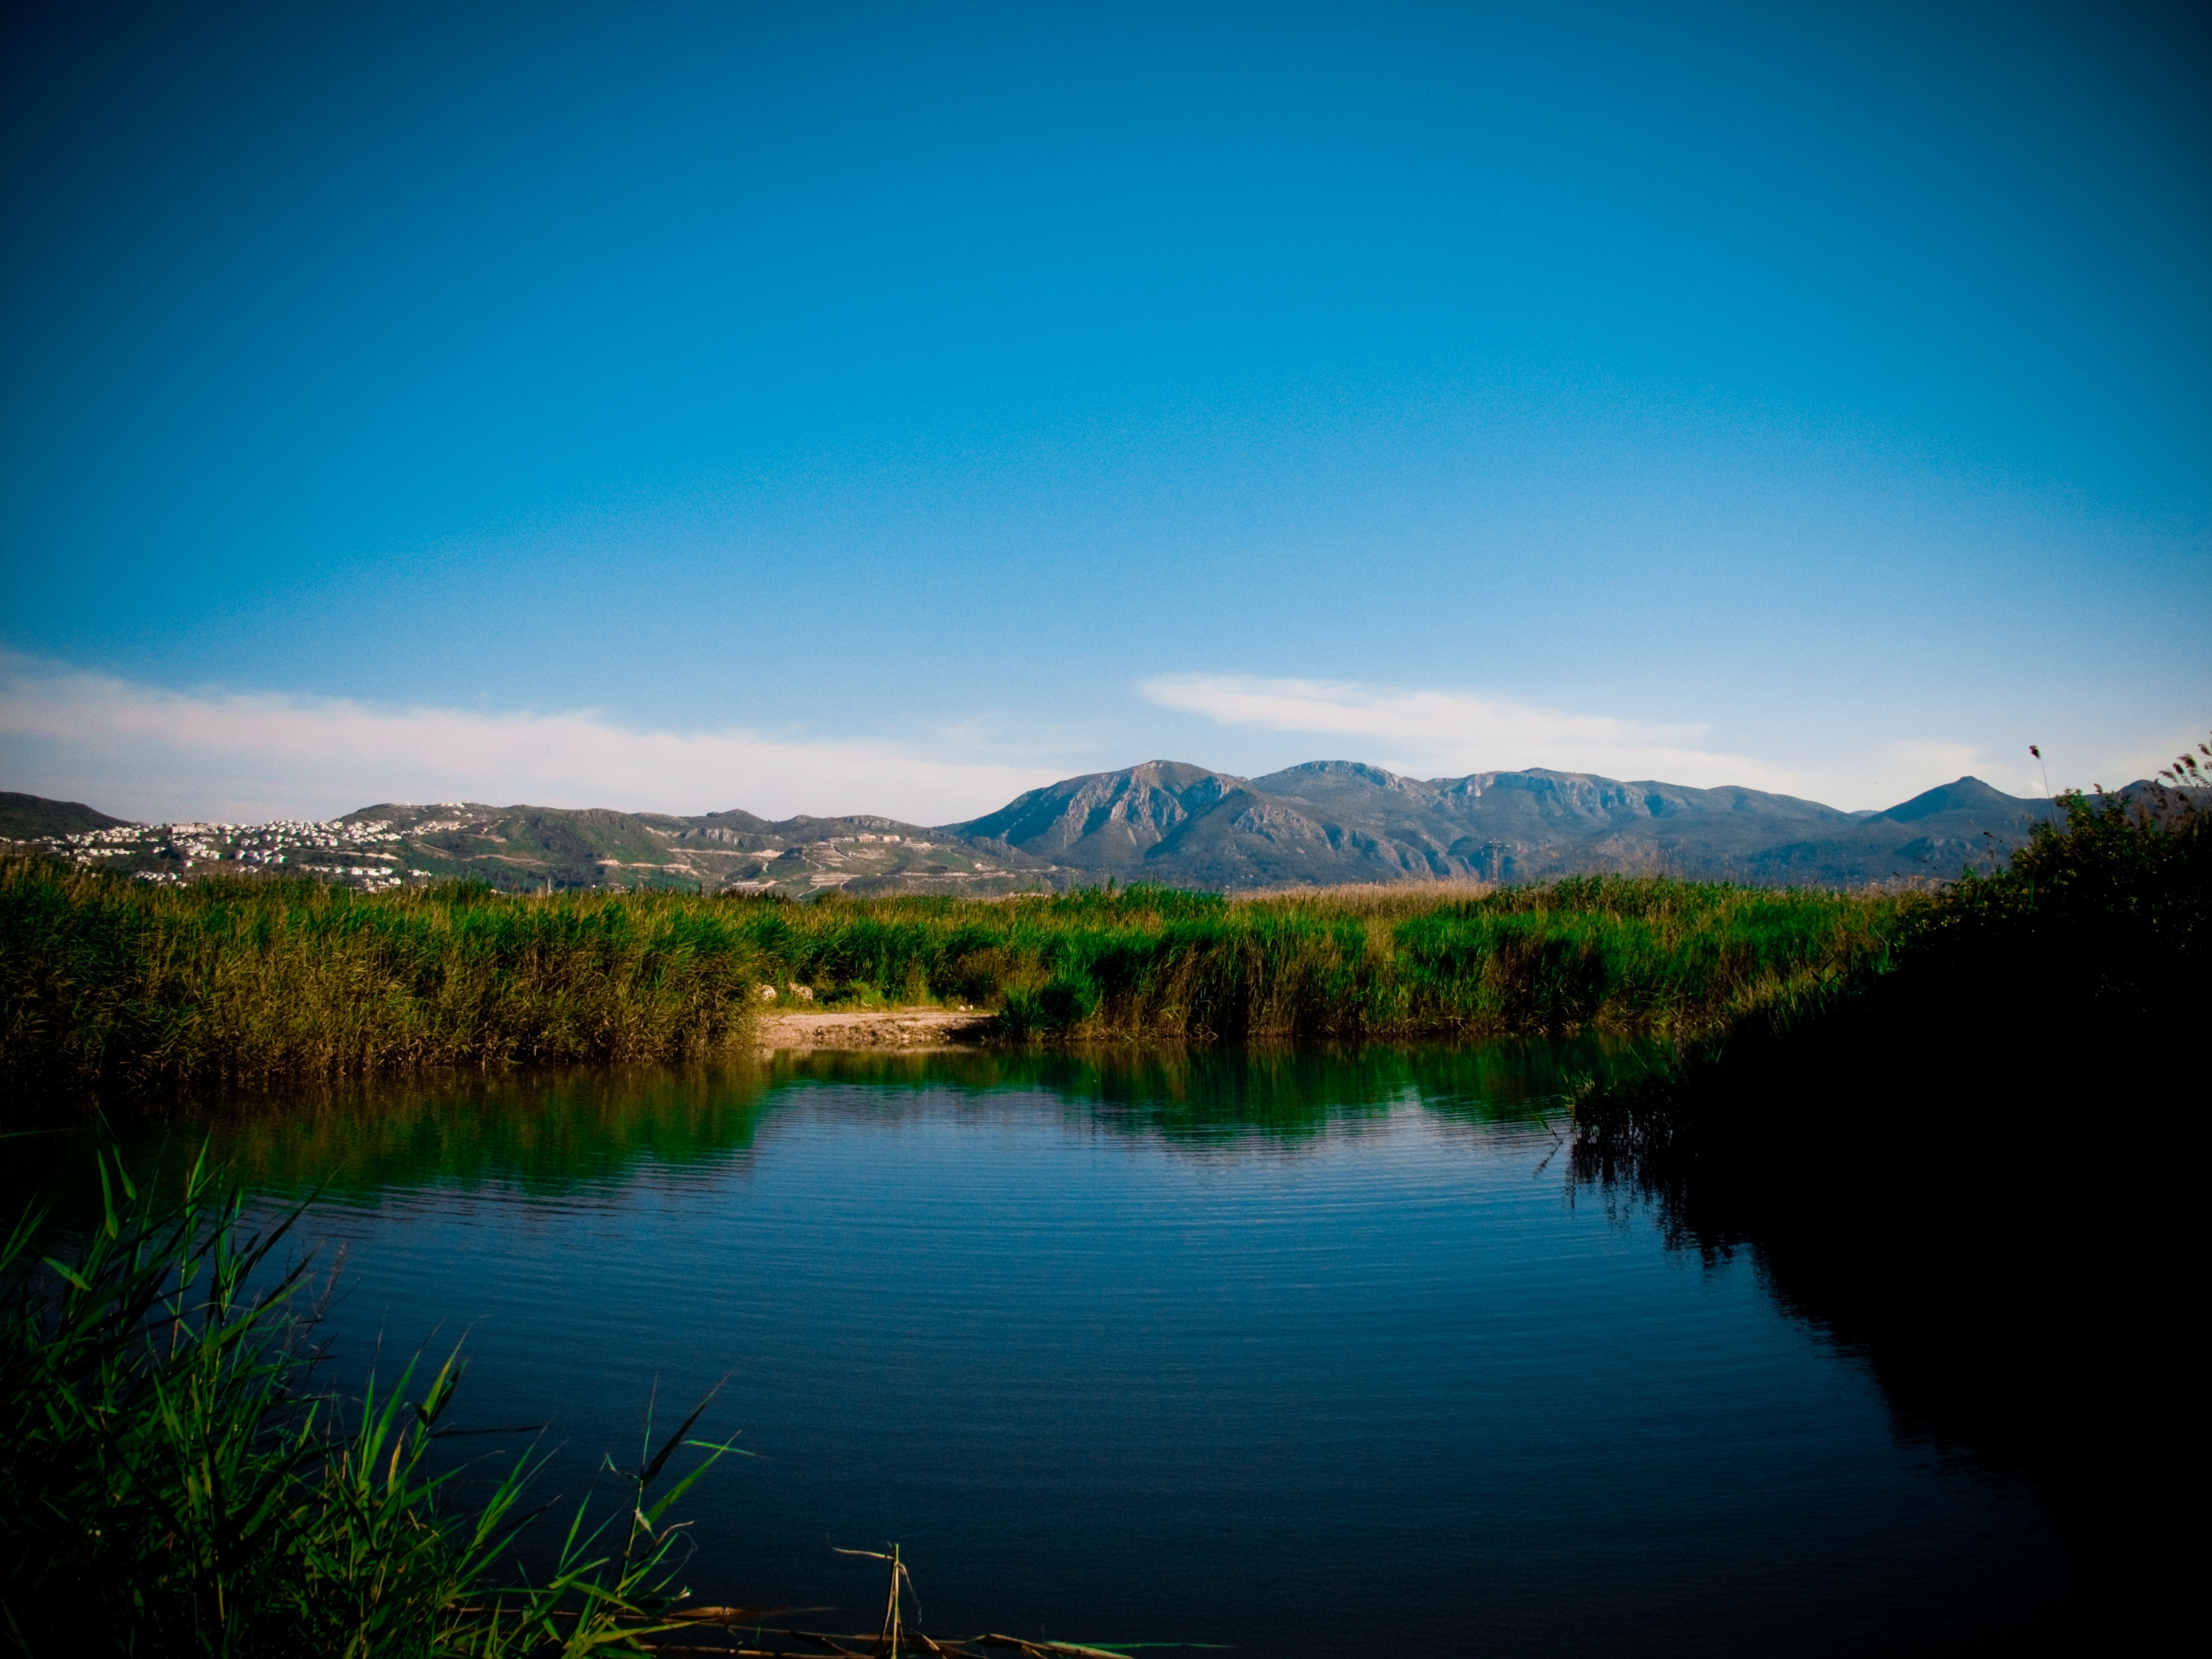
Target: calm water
<point x="1302" y="1354"/>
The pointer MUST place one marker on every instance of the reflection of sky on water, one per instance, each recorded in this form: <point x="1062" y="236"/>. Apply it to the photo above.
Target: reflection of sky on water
<point x="1247" y="1350"/>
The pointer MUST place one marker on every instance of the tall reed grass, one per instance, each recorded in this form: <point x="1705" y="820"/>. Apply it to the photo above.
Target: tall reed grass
<point x="109" y="983"/>
<point x="1627" y="955"/>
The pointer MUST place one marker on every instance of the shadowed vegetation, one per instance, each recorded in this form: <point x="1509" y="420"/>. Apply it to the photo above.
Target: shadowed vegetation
<point x="2092" y="943"/>
<point x="1955" y="1166"/>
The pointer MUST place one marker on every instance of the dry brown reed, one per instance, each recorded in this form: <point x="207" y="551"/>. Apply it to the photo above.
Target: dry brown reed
<point x="1375" y="901"/>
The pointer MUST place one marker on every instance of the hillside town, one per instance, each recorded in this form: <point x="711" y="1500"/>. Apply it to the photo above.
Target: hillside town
<point x="333" y="850"/>
<point x="535" y="849"/>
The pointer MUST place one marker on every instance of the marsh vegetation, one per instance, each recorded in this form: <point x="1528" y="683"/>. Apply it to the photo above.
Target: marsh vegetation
<point x="114" y="985"/>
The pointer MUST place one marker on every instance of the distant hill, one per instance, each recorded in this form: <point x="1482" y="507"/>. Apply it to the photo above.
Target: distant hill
<point x="528" y="846"/>
<point x="1331" y="822"/>
<point x="1322" y="823"/>
<point x="524" y="848"/>
<point x="28" y="817"/>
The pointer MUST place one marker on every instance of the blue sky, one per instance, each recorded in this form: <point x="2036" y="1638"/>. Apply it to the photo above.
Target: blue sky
<point x="848" y="408"/>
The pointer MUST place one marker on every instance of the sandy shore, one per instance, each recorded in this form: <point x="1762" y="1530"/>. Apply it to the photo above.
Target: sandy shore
<point x="897" y="1028"/>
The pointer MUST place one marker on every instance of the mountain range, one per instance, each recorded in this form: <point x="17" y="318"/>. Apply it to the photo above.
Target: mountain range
<point x="1330" y="822"/>
<point x="1322" y="823"/>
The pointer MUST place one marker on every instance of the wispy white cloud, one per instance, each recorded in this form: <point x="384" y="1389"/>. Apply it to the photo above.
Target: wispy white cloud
<point x="1446" y="734"/>
<point x="145" y="753"/>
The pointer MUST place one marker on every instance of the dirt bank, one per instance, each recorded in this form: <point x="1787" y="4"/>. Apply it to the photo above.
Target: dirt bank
<point x="887" y="1028"/>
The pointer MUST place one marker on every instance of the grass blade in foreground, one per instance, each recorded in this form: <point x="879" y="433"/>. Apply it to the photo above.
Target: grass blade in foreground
<point x="178" y="1486"/>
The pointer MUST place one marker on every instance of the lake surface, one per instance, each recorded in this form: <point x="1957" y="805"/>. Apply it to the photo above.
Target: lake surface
<point x="1300" y="1353"/>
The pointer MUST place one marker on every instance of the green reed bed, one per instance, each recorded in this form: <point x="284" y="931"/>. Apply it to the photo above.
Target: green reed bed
<point x="113" y="983"/>
<point x="1609" y="954"/>
<point x="110" y="983"/>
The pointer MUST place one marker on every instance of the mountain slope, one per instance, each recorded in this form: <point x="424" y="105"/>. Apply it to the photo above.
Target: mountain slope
<point x="1106" y="821"/>
<point x="1330" y="822"/>
<point x="28" y="817"/>
<point x="525" y="846"/>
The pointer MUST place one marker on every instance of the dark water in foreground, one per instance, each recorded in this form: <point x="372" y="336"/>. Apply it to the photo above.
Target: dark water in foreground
<point x="1301" y="1354"/>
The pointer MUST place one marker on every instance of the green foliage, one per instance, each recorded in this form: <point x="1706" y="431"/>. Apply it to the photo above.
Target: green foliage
<point x="108" y="982"/>
<point x="121" y="984"/>
<point x="176" y="1487"/>
<point x="2116" y="903"/>
<point x="1614" y="954"/>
